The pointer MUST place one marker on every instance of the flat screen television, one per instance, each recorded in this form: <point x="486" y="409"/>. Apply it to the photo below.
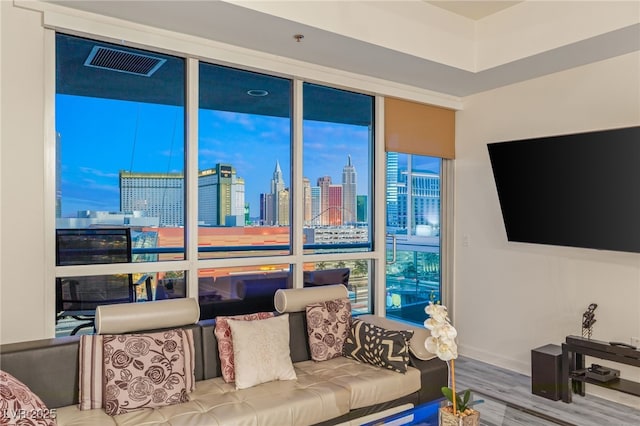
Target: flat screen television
<point x="578" y="190"/>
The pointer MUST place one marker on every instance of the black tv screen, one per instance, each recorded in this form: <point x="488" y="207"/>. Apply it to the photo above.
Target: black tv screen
<point x="579" y="190"/>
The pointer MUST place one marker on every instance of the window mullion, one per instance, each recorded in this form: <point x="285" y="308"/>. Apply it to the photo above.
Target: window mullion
<point x="297" y="203"/>
<point x="191" y="175"/>
<point x="378" y="285"/>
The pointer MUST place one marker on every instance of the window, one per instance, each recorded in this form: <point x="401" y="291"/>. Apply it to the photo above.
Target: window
<point x="121" y="164"/>
<point x="338" y="140"/>
<point x="120" y="144"/>
<point x="413" y="222"/>
<point x="244" y="163"/>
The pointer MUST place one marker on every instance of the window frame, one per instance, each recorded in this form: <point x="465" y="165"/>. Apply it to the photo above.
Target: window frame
<point x="184" y="47"/>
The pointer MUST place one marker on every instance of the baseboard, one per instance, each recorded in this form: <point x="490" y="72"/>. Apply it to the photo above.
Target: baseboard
<point x="497" y="360"/>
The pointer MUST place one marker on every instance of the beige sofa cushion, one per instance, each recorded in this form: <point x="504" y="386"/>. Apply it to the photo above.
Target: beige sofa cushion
<point x="305" y="401"/>
<point x="367" y="385"/>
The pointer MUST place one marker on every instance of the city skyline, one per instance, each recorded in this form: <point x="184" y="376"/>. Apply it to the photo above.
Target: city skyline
<point x="98" y="138"/>
<point x="147" y="138"/>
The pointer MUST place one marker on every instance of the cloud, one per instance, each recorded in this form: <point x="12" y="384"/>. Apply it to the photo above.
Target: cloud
<point x="97" y="173"/>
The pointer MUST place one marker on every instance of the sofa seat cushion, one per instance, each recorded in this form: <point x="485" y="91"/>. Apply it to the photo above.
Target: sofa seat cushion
<point x="367" y="385"/>
<point x="307" y="400"/>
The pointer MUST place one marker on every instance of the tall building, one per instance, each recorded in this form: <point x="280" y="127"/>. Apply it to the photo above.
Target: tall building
<point x="274" y="207"/>
<point x="306" y="188"/>
<point x="324" y="183"/>
<point x="220" y="196"/>
<point x="154" y="194"/>
<point x="316" y="206"/>
<point x="392" y="189"/>
<point x="362" y="209"/>
<point x="349" y="194"/>
<point x="425" y="200"/>
<point x="335" y="207"/>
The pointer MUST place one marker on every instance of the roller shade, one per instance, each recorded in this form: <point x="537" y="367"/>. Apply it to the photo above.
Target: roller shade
<point x="421" y="129"/>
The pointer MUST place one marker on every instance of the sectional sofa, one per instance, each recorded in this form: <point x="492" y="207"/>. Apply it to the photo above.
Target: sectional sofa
<point x="325" y="392"/>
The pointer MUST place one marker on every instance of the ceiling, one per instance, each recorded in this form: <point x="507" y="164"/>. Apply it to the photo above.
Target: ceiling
<point x="242" y="24"/>
<point x="475" y="10"/>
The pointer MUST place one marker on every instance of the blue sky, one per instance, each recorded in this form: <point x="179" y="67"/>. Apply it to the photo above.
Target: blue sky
<point x="100" y="137"/>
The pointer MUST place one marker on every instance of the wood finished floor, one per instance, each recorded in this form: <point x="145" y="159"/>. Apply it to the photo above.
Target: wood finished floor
<point x="516" y="388"/>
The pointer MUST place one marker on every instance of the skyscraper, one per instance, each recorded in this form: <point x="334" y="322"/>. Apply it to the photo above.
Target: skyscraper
<point x="306" y="187"/>
<point x="220" y="196"/>
<point x="392" y="189"/>
<point x="349" y="194"/>
<point x="155" y="194"/>
<point x="425" y="200"/>
<point x="316" y="206"/>
<point x="274" y="207"/>
<point x="335" y="207"/>
<point x="324" y="182"/>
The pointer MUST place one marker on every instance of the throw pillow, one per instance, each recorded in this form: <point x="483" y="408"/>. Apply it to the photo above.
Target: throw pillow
<point x="327" y="326"/>
<point x="225" y="344"/>
<point x="20" y="406"/>
<point x="91" y="361"/>
<point x="377" y="346"/>
<point x="143" y="371"/>
<point x="261" y="351"/>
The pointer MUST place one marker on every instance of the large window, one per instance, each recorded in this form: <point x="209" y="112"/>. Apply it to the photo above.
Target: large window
<point x="256" y="198"/>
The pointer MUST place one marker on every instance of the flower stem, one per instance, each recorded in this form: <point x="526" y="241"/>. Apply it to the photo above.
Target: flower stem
<point x="453" y="386"/>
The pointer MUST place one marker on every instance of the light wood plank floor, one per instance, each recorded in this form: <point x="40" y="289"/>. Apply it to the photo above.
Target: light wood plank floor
<point x="516" y="388"/>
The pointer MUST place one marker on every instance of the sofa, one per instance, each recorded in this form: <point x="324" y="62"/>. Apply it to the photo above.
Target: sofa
<point x="323" y="393"/>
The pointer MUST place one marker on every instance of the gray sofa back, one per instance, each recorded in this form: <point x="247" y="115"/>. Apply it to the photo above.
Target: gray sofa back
<point x="50" y="366"/>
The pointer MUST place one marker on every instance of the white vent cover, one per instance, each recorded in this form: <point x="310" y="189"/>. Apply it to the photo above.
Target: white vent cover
<point x="123" y="61"/>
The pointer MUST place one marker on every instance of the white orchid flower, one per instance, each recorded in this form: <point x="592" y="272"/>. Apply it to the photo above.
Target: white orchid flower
<point x="431" y="344"/>
<point x="443" y="334"/>
<point x="446" y="331"/>
<point x="447" y="352"/>
<point x="437" y="312"/>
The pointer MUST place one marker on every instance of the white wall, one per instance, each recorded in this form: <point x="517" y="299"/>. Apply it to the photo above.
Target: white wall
<point x="513" y="297"/>
<point x="22" y="303"/>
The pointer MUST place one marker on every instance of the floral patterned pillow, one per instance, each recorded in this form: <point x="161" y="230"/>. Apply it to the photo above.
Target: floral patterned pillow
<point x="143" y="371"/>
<point x="91" y="363"/>
<point x="20" y="406"/>
<point x="225" y="344"/>
<point x="327" y="326"/>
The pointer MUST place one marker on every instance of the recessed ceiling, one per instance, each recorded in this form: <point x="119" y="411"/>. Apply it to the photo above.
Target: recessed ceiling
<point x="241" y="24"/>
<point x="474" y="9"/>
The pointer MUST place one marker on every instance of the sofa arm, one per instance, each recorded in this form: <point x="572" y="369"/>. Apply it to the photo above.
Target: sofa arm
<point x="434" y="374"/>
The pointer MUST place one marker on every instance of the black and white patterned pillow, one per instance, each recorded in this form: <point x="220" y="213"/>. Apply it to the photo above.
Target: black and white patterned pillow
<point x="378" y="346"/>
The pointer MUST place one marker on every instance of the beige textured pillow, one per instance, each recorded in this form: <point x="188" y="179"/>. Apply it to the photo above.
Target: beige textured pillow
<point x="143" y="371"/>
<point x="261" y="351"/>
<point x="328" y="324"/>
<point x="225" y="343"/>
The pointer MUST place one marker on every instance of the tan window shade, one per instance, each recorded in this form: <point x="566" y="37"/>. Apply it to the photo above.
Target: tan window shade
<point x="421" y="129"/>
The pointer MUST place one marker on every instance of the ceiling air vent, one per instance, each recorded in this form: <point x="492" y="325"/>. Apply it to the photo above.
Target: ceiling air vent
<point x="123" y="61"/>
